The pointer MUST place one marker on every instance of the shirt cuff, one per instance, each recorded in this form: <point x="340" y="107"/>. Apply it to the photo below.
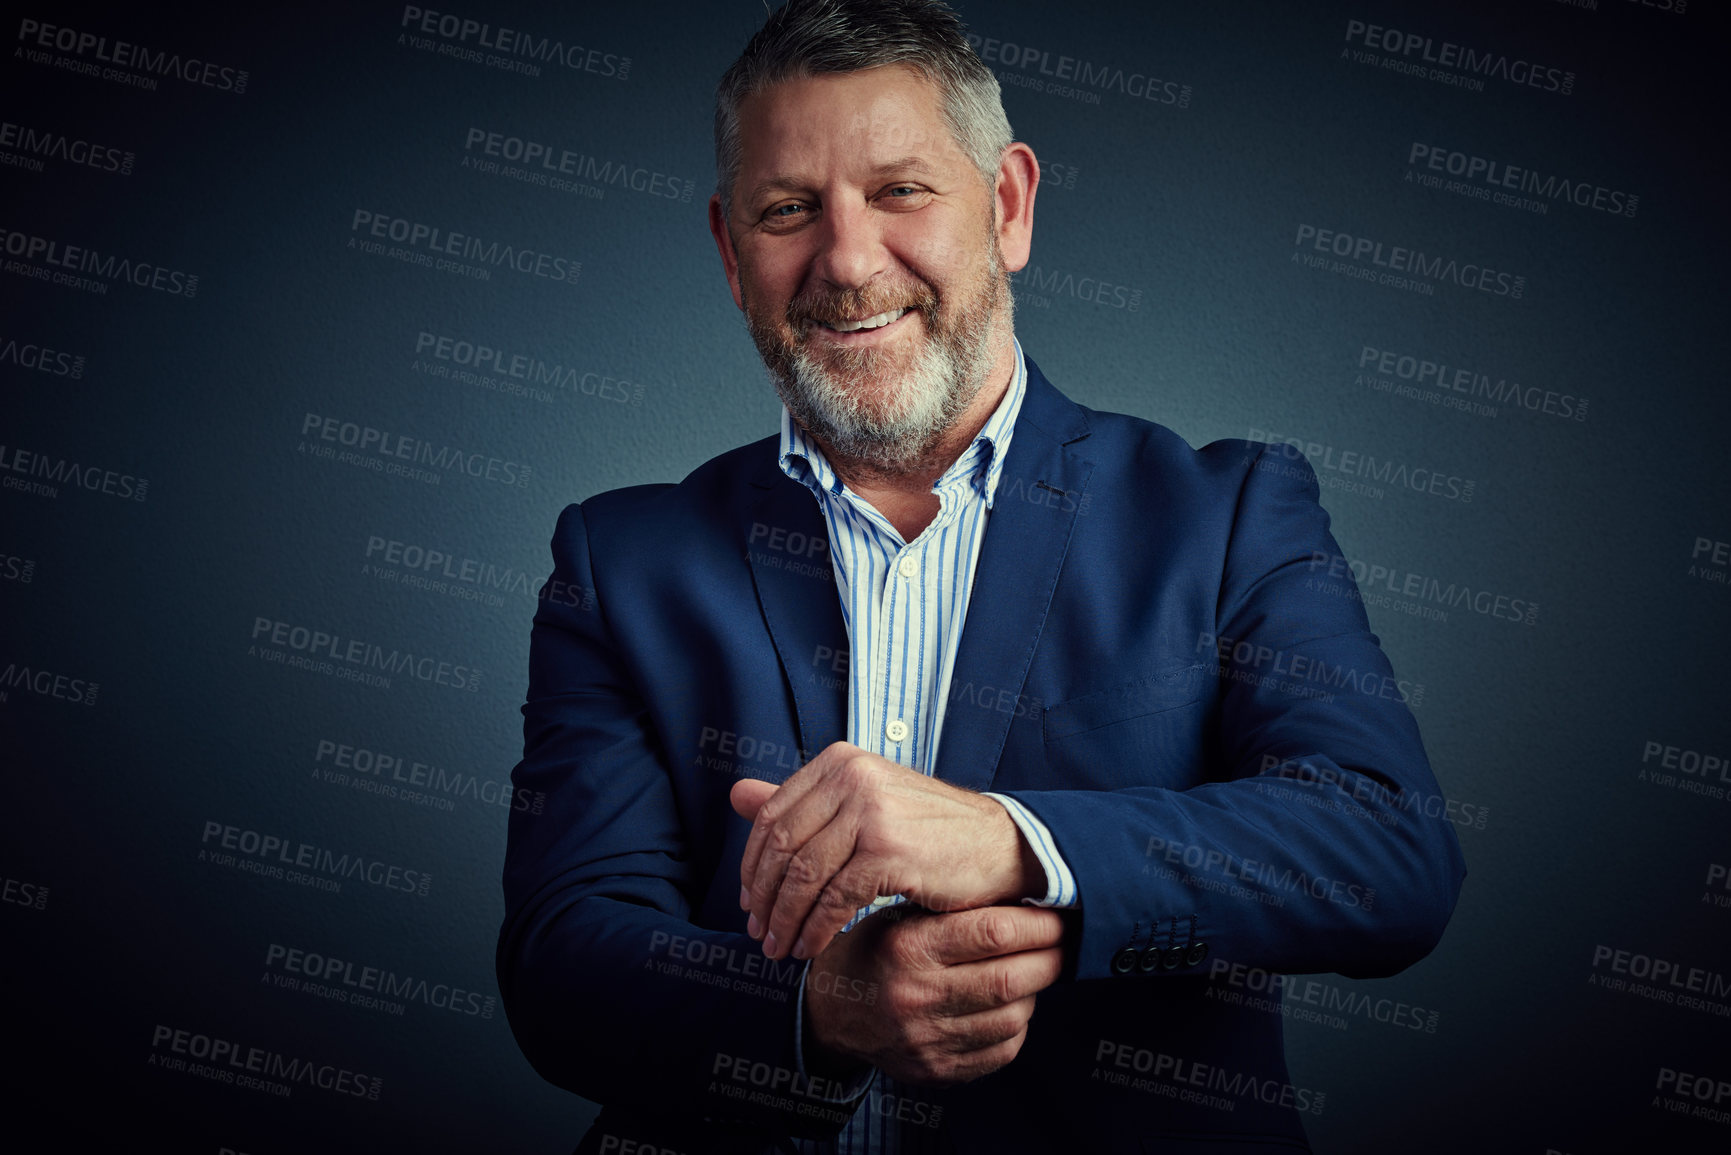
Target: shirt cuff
<point x="1060" y="883"/>
<point x="858" y="1087"/>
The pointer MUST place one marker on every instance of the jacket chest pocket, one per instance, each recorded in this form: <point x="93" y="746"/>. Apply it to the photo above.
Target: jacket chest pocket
<point x="1146" y="732"/>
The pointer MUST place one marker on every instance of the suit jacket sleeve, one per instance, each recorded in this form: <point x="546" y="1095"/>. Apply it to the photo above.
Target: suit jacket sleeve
<point x="1312" y="841"/>
<point x="595" y="953"/>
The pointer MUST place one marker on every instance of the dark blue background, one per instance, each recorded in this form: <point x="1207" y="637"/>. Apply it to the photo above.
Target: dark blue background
<point x="1196" y="207"/>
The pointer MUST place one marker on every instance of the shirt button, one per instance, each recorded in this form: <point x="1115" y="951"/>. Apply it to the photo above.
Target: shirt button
<point x="896" y="731"/>
<point x="908" y="566"/>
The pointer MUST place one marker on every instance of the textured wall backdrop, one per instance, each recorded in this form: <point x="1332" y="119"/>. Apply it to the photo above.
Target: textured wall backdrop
<point x="316" y="315"/>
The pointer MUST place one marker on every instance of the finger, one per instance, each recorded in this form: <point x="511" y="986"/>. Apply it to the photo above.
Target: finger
<point x="748" y="796"/>
<point x="823" y="884"/>
<point x="970" y="1046"/>
<point x="980" y="1063"/>
<point x="989" y="931"/>
<point x="787" y="795"/>
<point x="952" y="1070"/>
<point x="985" y="1029"/>
<point x="978" y="987"/>
<point x="814" y="921"/>
<point x="808" y="846"/>
<point x="983" y="1061"/>
<point x="820" y="799"/>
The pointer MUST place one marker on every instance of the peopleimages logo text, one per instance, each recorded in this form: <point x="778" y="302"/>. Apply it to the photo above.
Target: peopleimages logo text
<point x="397" y="447"/>
<point x="524" y="47"/>
<point x="1459" y="57"/>
<point x="554" y="160"/>
<point x="1414" y="262"/>
<point x="1440" y="375"/>
<point x="354" y="651"/>
<point x="380" y="981"/>
<point x="95" y="263"/>
<point x="49" y="145"/>
<point x="41" y="358"/>
<point x="1516" y="178"/>
<point x="123" y="54"/>
<point x="435" y="240"/>
<point x="276" y="849"/>
<point x="261" y="1068"/>
<point x="56" y="471"/>
<point x="1072" y="70"/>
<point x="483" y="358"/>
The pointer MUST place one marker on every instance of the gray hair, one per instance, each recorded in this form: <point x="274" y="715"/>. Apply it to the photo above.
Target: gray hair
<point x="814" y="37"/>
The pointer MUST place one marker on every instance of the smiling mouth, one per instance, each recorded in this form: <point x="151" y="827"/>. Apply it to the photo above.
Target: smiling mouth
<point x="876" y="322"/>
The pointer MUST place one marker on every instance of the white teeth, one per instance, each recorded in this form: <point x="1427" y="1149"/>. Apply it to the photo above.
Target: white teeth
<point x="876" y="322"/>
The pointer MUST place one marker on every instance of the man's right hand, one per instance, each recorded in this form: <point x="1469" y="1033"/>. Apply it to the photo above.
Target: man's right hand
<point x="954" y="991"/>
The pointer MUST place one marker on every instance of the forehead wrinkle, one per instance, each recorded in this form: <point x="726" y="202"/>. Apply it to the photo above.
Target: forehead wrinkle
<point x="903" y="164"/>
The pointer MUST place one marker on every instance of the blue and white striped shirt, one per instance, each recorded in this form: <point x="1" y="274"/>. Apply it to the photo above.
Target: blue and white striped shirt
<point x="904" y="604"/>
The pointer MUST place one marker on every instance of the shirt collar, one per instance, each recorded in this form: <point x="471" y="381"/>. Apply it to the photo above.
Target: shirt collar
<point x="981" y="465"/>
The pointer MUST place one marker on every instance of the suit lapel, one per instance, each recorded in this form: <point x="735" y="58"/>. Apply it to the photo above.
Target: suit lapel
<point x="1034" y="510"/>
<point x="1039" y="494"/>
<point x="800" y="605"/>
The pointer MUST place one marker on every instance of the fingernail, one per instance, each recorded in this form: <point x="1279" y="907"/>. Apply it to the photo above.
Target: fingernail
<point x="752" y="928"/>
<point x="769" y="945"/>
<point x="744" y="899"/>
<point x="799" y="947"/>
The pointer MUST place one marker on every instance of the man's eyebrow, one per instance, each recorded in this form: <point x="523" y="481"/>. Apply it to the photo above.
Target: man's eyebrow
<point x="783" y="182"/>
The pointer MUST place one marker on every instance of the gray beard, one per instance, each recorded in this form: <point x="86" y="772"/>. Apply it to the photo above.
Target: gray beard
<point x="896" y="432"/>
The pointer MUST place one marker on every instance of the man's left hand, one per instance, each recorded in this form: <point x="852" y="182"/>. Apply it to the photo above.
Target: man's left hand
<point x="850" y="826"/>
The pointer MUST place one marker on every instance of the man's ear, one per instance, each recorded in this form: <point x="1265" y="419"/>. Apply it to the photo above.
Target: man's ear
<point x="1018" y="180"/>
<point x="724" y="246"/>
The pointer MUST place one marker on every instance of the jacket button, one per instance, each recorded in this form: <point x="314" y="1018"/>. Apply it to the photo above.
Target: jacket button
<point x="1174" y="956"/>
<point x="1125" y="960"/>
<point x="1198" y="952"/>
<point x="1149" y="961"/>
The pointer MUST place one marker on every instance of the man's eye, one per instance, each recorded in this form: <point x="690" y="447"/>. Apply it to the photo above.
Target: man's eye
<point x="912" y="195"/>
<point x="783" y="212"/>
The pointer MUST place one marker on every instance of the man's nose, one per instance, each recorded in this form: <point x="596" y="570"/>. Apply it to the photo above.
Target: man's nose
<point x="851" y="245"/>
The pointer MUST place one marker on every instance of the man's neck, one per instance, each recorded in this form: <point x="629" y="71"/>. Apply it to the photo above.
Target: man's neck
<point x="905" y="498"/>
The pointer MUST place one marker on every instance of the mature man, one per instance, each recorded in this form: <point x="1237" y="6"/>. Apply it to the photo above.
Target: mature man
<point x="771" y="903"/>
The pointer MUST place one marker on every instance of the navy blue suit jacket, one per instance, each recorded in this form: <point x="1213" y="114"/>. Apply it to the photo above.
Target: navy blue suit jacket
<point x="1159" y="661"/>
